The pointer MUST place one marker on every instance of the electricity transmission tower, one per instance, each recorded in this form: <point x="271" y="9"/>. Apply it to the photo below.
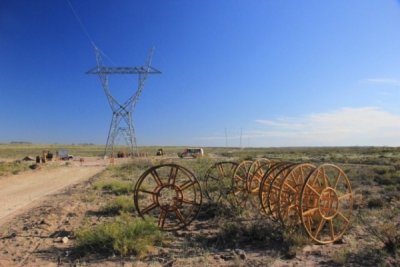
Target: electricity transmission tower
<point x="122" y="112"/>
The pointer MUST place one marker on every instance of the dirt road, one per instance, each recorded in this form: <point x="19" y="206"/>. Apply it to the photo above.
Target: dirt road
<point x="19" y="192"/>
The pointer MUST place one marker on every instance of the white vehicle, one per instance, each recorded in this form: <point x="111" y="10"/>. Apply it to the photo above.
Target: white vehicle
<point x="192" y="152"/>
<point x="63" y="154"/>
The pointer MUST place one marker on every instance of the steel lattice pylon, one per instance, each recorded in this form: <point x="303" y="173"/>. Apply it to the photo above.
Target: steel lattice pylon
<point x="122" y="112"/>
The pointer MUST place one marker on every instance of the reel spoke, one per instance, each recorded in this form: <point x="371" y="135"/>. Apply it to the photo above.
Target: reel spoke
<point x="326" y="196"/>
<point x="170" y="193"/>
<point x="289" y="194"/>
<point x="218" y="180"/>
<point x="239" y="183"/>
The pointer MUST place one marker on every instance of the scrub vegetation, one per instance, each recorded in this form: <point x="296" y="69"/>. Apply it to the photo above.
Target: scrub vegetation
<point x="111" y="226"/>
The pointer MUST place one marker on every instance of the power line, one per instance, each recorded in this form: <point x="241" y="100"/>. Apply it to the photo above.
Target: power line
<point x="124" y="111"/>
<point x="80" y="22"/>
<point x="90" y="39"/>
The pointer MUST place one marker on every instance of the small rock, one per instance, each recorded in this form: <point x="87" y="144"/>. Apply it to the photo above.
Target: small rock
<point x="241" y="253"/>
<point x="340" y="241"/>
<point x="64" y="240"/>
<point x="46" y="222"/>
<point x="290" y="255"/>
<point x="226" y="257"/>
<point x="360" y="232"/>
<point x="317" y="252"/>
<point x="169" y="264"/>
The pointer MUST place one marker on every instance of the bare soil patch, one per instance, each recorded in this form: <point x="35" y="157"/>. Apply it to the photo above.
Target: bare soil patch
<point x="20" y="191"/>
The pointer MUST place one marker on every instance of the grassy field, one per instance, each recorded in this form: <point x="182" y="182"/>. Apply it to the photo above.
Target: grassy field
<point x="19" y="151"/>
<point x="374" y="174"/>
<point x="356" y="155"/>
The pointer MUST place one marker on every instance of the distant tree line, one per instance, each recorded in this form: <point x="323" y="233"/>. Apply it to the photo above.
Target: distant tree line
<point x="85" y="144"/>
<point x="80" y="144"/>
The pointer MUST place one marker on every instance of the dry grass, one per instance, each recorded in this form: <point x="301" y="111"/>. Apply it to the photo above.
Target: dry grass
<point x="374" y="175"/>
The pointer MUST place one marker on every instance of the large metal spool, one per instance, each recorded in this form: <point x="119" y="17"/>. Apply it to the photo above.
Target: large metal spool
<point x="326" y="203"/>
<point x="170" y="193"/>
<point x="218" y="180"/>
<point x="255" y="174"/>
<point x="317" y="198"/>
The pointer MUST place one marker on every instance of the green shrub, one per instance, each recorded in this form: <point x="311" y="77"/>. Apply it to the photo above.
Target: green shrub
<point x="89" y="197"/>
<point x="263" y="231"/>
<point x="230" y="232"/>
<point x="125" y="236"/>
<point x="117" y="187"/>
<point x="123" y="171"/>
<point x="396" y="166"/>
<point x="295" y="239"/>
<point x="220" y="209"/>
<point x="201" y="166"/>
<point x="7" y="168"/>
<point x="392" y="195"/>
<point x="384" y="180"/>
<point x="389" y="234"/>
<point x="375" y="203"/>
<point x="384" y="229"/>
<point x="233" y="233"/>
<point x="248" y="157"/>
<point x="119" y="204"/>
<point x="380" y="170"/>
<point x="366" y="192"/>
<point x="145" y="164"/>
<point x="340" y="257"/>
<point x="389" y="187"/>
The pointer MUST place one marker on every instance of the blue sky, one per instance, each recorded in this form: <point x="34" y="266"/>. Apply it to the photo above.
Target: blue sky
<point x="234" y="73"/>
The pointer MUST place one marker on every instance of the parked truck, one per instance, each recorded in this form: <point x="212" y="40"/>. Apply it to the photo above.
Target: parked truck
<point x="62" y="154"/>
<point x="192" y="152"/>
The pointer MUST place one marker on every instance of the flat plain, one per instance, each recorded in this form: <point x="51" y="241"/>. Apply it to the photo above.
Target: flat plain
<point x="46" y="207"/>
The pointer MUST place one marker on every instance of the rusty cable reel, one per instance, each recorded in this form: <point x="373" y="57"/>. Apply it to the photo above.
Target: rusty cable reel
<point x="289" y="195"/>
<point x="255" y="174"/>
<point x="273" y="190"/>
<point x="218" y="180"/>
<point x="239" y="183"/>
<point x="171" y="194"/>
<point x="266" y="183"/>
<point x="326" y="203"/>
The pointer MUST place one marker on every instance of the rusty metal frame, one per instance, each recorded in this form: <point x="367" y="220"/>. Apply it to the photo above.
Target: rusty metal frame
<point x="169" y="193"/>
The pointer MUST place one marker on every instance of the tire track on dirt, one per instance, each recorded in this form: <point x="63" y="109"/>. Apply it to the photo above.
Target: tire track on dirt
<point x="19" y="191"/>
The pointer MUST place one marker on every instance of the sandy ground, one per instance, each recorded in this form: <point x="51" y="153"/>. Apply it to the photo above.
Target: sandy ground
<point x="31" y="201"/>
<point x="22" y="191"/>
<point x="18" y="193"/>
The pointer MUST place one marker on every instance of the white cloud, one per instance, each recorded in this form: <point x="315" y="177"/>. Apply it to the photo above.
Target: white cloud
<point x="366" y="126"/>
<point x="343" y="127"/>
<point x="284" y="123"/>
<point x="383" y="81"/>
